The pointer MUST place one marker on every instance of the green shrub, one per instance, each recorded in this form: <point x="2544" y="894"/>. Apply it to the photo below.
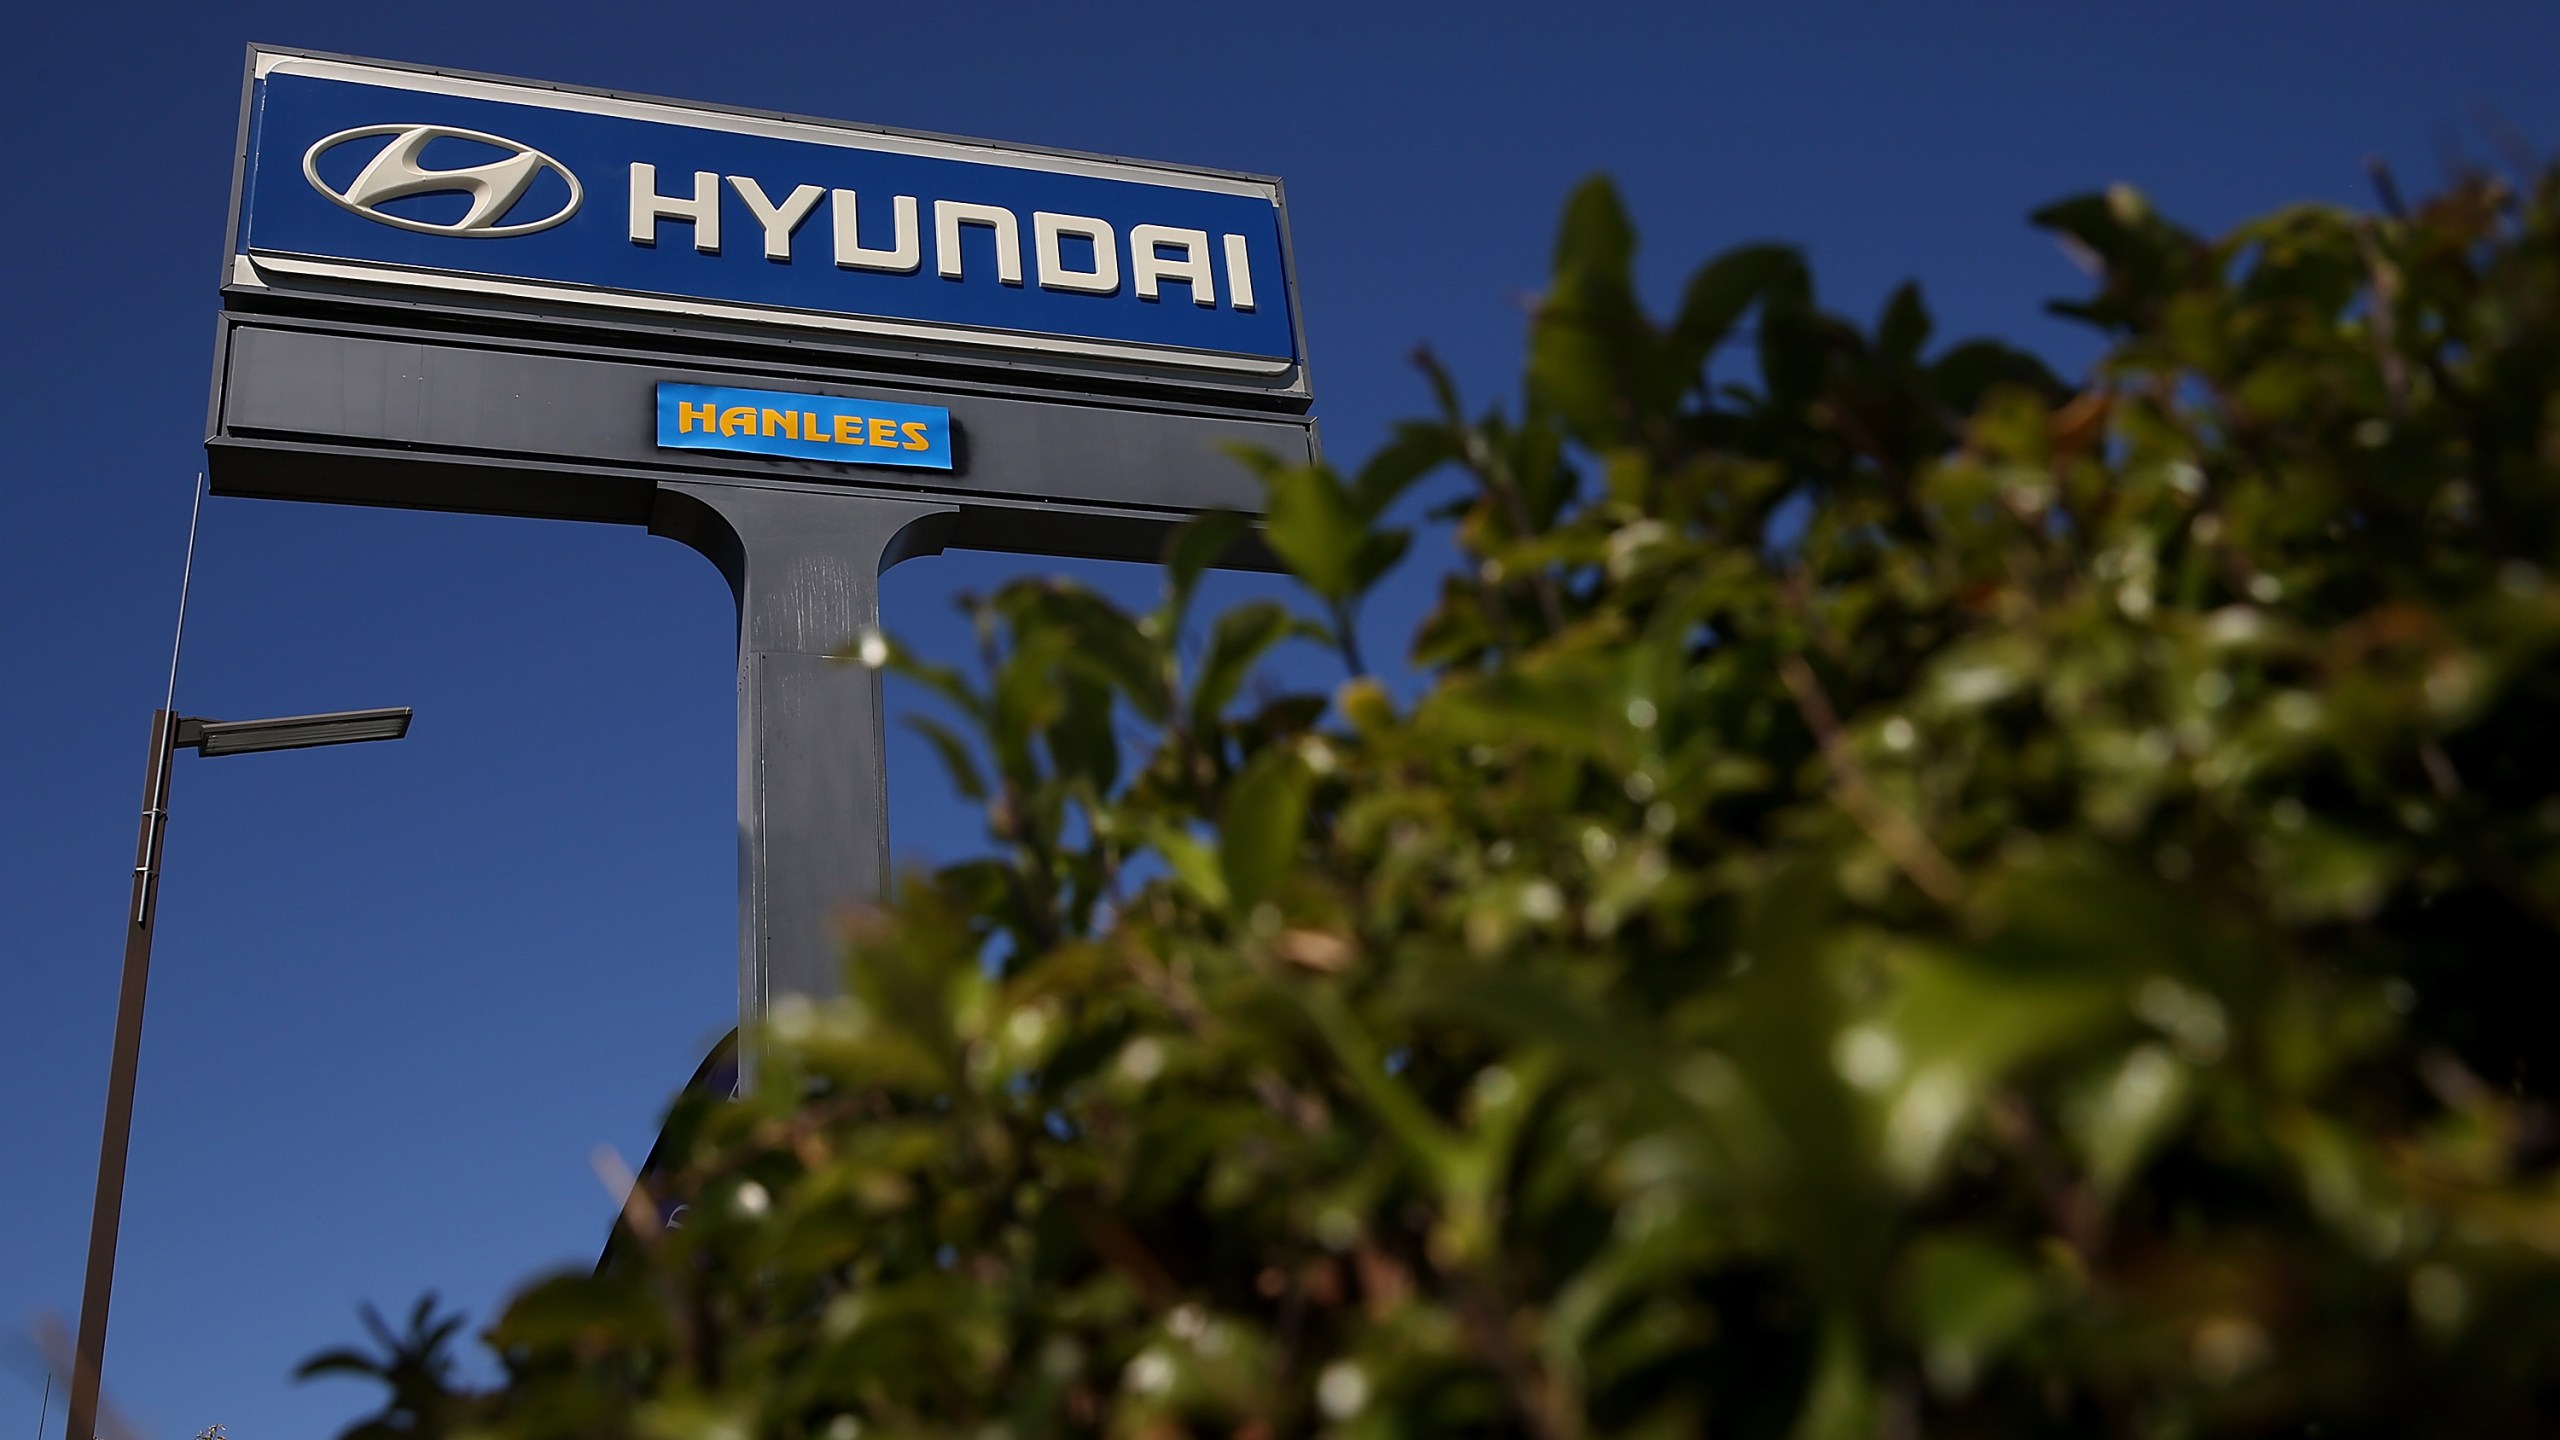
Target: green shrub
<point x="1913" y="899"/>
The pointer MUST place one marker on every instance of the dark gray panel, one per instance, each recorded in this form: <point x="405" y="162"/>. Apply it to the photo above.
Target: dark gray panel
<point x="423" y="400"/>
<point x="486" y="485"/>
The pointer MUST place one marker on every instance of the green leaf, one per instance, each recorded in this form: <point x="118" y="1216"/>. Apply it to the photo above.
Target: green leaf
<point x="956" y="760"/>
<point x="1315" y="529"/>
<point x="1444" y="390"/>
<point x="570" y="1310"/>
<point x="1194" y="865"/>
<point x="1532" y="456"/>
<point x="1795" y="346"/>
<point x="1904" y="330"/>
<point x="942" y="680"/>
<point x="2143" y="257"/>
<point x="1100" y="639"/>
<point x="2328" y="872"/>
<point x="1082" y="749"/>
<point x="2123" y="1114"/>
<point x="1192" y="549"/>
<point x="1967" y="1300"/>
<point x="1379" y="552"/>
<point x="1416" y="450"/>
<point x="1965" y="374"/>
<point x="1590" y="348"/>
<point x="1785" y="1017"/>
<point x="1596" y="239"/>
<point x="1241" y="637"/>
<point x="1718" y="295"/>
<point x="1840" y="1402"/>
<point x="341" y="1361"/>
<point x="1264" y="822"/>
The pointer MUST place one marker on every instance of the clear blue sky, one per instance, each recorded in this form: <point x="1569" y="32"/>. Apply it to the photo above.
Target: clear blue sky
<point x="403" y="991"/>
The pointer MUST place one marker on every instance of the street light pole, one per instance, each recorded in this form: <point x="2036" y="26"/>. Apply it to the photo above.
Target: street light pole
<point x="106" y="1213"/>
<point x="169" y="735"/>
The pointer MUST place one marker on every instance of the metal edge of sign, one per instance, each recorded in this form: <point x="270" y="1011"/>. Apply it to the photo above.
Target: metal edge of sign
<point x="247" y="265"/>
<point x="832" y="130"/>
<point x="239" y="169"/>
<point x="1300" y="384"/>
<point x="739" y="120"/>
<point x="263" y="59"/>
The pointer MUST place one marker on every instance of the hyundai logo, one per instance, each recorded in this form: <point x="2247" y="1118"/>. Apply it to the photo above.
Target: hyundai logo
<point x="494" y="187"/>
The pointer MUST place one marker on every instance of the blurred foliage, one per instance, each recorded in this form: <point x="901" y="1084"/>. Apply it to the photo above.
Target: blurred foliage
<point x="1910" y="898"/>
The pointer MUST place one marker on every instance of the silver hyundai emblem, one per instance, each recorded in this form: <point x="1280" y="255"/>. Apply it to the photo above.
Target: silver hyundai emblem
<point x="394" y="171"/>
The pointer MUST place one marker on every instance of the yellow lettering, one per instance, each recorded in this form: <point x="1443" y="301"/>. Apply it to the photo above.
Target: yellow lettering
<point x="915" y="435"/>
<point x="848" y="429"/>
<point x="687" y="412"/>
<point x="885" y="432"/>
<point x="789" y="420"/>
<point x="738" y="420"/>
<point x="809" y="428"/>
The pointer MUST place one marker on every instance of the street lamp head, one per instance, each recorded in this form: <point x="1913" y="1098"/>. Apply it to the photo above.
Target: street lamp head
<point x="292" y="732"/>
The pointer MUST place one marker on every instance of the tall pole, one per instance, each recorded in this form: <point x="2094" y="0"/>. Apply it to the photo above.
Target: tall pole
<point x="107" y="1213"/>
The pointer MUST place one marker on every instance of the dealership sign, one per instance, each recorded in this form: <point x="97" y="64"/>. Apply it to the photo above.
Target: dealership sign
<point x="465" y="186"/>
<point x="806" y="348"/>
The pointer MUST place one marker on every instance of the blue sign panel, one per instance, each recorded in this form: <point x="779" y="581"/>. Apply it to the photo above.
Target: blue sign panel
<point x="483" y="187"/>
<point x="803" y="427"/>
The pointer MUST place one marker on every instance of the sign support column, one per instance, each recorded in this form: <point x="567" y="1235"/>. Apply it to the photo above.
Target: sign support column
<point x="805" y="567"/>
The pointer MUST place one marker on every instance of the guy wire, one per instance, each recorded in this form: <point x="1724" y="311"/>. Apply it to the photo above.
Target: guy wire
<point x="186" y="579"/>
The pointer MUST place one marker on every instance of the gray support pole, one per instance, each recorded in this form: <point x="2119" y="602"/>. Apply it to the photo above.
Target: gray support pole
<point x="813" y="831"/>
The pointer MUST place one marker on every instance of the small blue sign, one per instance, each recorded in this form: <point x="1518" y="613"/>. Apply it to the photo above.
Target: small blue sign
<point x="803" y="427"/>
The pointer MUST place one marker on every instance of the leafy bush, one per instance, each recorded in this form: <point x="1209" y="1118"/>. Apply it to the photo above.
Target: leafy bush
<point x="1912" y="899"/>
